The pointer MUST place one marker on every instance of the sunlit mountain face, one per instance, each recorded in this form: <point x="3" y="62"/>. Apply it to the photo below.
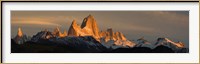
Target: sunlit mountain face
<point x="100" y="32"/>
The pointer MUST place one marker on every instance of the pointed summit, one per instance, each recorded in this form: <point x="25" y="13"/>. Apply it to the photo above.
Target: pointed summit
<point x="89" y="24"/>
<point x="119" y="36"/>
<point x="169" y="43"/>
<point x="110" y="34"/>
<point x="74" y="29"/>
<point x="56" y="32"/>
<point x="88" y="28"/>
<point x="90" y="16"/>
<point x="57" y="29"/>
<point x="74" y="22"/>
<point x="142" y="40"/>
<point x="87" y="21"/>
<point x="65" y="33"/>
<point x="20" y="37"/>
<point x="20" y="33"/>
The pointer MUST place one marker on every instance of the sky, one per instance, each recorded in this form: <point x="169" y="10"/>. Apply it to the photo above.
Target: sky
<point x="133" y="24"/>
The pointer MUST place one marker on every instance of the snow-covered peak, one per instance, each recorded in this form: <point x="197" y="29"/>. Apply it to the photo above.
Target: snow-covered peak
<point x="115" y="39"/>
<point x="169" y="43"/>
<point x="42" y="35"/>
<point x="141" y="42"/>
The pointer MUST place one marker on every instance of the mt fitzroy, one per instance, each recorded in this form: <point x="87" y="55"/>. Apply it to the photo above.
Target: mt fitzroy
<point x="88" y="28"/>
<point x="108" y="38"/>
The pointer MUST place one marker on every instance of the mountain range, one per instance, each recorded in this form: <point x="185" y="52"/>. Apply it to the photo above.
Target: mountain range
<point x="87" y="38"/>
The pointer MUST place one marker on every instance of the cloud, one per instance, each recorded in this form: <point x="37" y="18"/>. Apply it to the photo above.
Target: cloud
<point x="35" y="23"/>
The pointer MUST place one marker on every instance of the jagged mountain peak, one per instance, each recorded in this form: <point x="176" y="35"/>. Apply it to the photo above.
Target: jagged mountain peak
<point x="169" y="43"/>
<point x="74" y="29"/>
<point x="20" y="38"/>
<point x="19" y="33"/>
<point x="120" y="36"/>
<point x="110" y="31"/>
<point x="74" y="22"/>
<point x="56" y="30"/>
<point x="90" y="16"/>
<point x="46" y="30"/>
<point x="163" y="39"/>
<point x="89" y="21"/>
<point x="89" y="26"/>
<point x="65" y="32"/>
<point x="142" y="40"/>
